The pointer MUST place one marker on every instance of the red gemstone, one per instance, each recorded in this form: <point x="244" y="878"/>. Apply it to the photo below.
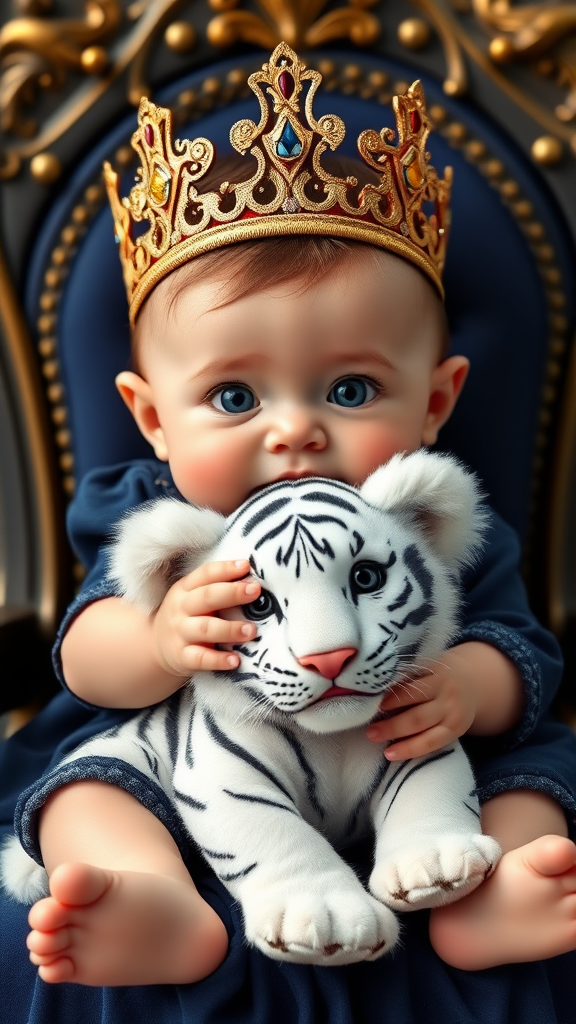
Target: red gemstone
<point x="286" y="84"/>
<point x="415" y="121"/>
<point x="149" y="134"/>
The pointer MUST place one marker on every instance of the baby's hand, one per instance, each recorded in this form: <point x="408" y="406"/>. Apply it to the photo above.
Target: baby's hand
<point x="186" y="628"/>
<point x="440" y="707"/>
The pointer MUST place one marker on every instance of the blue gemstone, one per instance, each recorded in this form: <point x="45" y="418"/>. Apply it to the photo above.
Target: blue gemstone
<point x="288" y="144"/>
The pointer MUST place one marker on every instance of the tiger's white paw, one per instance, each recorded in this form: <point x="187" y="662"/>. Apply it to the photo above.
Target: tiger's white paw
<point x="429" y="876"/>
<point x="330" y="925"/>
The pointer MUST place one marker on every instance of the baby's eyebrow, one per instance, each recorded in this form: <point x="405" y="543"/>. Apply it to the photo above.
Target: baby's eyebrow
<point x="223" y="367"/>
<point x="355" y="356"/>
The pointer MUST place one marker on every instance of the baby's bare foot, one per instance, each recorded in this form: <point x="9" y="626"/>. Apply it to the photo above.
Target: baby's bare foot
<point x="103" y="927"/>
<point x="525" y="911"/>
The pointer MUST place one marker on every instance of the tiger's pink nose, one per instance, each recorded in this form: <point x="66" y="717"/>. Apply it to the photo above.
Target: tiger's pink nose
<point x="329" y="664"/>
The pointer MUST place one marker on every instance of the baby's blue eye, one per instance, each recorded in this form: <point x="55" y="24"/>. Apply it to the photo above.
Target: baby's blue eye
<point x="234" y="398"/>
<point x="350" y="392"/>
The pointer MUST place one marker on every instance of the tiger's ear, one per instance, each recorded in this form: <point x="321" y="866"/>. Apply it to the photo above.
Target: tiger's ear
<point x="157" y="544"/>
<point x="438" y="496"/>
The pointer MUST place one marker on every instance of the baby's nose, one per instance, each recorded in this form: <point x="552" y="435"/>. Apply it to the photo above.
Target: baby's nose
<point x="329" y="664"/>
<point x="295" y="430"/>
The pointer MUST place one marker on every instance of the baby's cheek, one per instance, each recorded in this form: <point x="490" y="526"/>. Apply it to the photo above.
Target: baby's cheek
<point x="214" y="478"/>
<point x="374" y="451"/>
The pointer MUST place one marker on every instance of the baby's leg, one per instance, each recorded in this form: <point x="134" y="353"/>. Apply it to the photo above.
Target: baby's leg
<point x="526" y="910"/>
<point x="123" y="909"/>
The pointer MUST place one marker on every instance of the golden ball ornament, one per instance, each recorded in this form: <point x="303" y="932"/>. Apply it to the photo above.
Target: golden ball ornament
<point x="180" y="37"/>
<point x="413" y="33"/>
<point x="501" y="49"/>
<point x="547" y="150"/>
<point x="45" y="168"/>
<point x="94" y="60"/>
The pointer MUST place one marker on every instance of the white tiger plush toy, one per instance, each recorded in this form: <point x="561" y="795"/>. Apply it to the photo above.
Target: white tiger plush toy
<point x="268" y="766"/>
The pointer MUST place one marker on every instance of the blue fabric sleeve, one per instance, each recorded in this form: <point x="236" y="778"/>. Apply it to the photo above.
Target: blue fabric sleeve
<point x="496" y="611"/>
<point x="103" y="497"/>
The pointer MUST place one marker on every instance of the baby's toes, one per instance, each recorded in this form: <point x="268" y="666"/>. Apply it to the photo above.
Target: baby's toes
<point x="48" y="914"/>
<point x="61" y="969"/>
<point x="48" y="944"/>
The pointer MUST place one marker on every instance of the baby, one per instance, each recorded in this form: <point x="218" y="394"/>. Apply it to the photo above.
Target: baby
<point x="301" y="354"/>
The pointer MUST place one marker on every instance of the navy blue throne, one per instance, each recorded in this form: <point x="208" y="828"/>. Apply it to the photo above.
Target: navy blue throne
<point x="510" y="255"/>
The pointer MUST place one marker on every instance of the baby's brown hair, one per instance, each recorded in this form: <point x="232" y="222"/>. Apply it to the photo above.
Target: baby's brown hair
<point x="247" y="267"/>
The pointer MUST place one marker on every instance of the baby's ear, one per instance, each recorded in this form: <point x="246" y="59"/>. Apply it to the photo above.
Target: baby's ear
<point x="439" y="496"/>
<point x="157" y="544"/>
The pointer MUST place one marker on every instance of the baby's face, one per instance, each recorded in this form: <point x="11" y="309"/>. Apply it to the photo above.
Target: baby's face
<point x="326" y="380"/>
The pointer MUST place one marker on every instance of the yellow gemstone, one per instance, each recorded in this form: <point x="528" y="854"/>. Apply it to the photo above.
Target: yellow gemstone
<point x="159" y="185"/>
<point x="412" y="169"/>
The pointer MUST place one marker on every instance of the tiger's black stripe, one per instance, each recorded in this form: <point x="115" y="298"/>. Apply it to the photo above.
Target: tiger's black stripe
<point x="303" y="482"/>
<point x="416" y="768"/>
<point x="366" y="798"/>
<point x="188" y="754"/>
<point x="309" y="773"/>
<point x="239" y="874"/>
<point x="273" y="533"/>
<point x="330" y="499"/>
<point x="171" y="725"/>
<point x="215" y="855"/>
<point x="143" y="724"/>
<point x="402" y="598"/>
<point x="196" y="805"/>
<point x="413" y="559"/>
<point x="234" y="748"/>
<point x="251" y="799"/>
<point x="324" y="519"/>
<point x="264" y="513"/>
<point x="473" y="810"/>
<point x="152" y="761"/>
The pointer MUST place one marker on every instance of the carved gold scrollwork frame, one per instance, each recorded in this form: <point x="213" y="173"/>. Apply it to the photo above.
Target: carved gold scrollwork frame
<point x="300" y="23"/>
<point x="40" y="52"/>
<point x="131" y="53"/>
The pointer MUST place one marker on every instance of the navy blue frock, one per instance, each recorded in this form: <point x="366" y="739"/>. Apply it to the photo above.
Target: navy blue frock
<point x="412" y="985"/>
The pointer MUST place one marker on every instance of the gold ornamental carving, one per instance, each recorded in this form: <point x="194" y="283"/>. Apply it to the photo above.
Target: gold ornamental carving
<point x="40" y="52"/>
<point x="300" y="23"/>
<point x="542" y="34"/>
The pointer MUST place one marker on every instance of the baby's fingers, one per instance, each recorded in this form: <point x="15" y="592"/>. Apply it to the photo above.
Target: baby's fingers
<point x="209" y="629"/>
<point x="214" y="597"/>
<point x="208" y="659"/>
<point x="418" y="746"/>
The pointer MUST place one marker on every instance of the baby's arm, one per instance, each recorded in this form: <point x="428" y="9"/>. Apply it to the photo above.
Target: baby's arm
<point x="472" y="688"/>
<point x="114" y="655"/>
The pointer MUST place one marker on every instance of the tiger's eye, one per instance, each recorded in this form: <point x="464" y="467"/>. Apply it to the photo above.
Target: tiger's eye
<point x="367" y="577"/>
<point x="262" y="608"/>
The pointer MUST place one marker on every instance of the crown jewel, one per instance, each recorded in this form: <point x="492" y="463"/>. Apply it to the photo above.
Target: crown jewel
<point x="290" y="192"/>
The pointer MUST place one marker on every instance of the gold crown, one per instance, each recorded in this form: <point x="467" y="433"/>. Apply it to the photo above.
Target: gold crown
<point x="290" y="192"/>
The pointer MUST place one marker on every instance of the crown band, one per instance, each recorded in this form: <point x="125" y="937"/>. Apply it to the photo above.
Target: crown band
<point x="290" y="192"/>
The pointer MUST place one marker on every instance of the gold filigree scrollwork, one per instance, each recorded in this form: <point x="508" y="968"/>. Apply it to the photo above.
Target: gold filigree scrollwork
<point x="544" y="34"/>
<point x="36" y="52"/>
<point x="300" y="23"/>
<point x="39" y="52"/>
